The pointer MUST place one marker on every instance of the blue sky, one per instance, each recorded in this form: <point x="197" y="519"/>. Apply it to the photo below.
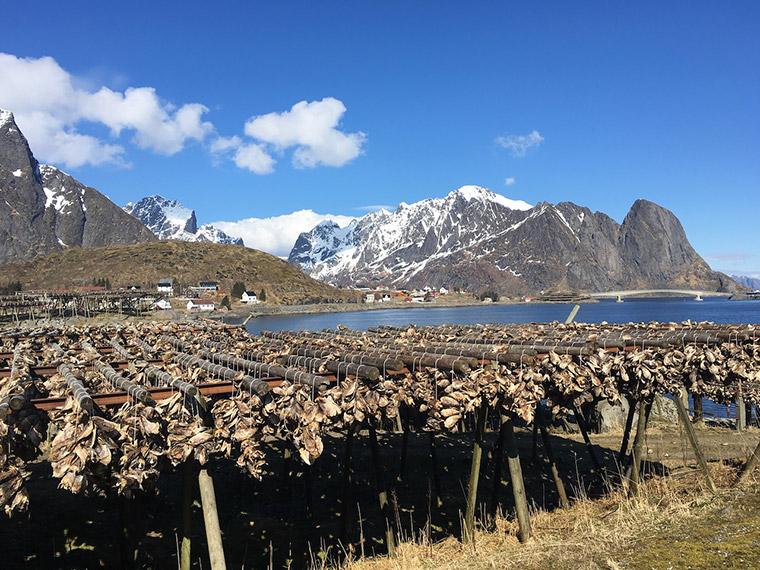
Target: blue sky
<point x="256" y="110"/>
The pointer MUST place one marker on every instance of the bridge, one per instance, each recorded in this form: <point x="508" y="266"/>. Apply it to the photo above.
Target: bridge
<point x="698" y="295"/>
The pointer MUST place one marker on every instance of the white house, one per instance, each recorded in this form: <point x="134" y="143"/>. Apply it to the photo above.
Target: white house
<point x="166" y="286"/>
<point x="198" y="305"/>
<point x="369" y="297"/>
<point x="249" y="297"/>
<point x="162" y="304"/>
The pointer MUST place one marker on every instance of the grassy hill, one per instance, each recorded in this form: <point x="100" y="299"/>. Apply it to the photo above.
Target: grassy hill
<point x="186" y="262"/>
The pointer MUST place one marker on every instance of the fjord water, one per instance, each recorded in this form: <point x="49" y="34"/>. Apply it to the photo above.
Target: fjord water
<point x="717" y="310"/>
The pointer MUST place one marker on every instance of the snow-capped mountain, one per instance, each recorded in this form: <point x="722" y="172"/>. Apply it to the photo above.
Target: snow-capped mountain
<point x="169" y="219"/>
<point x="44" y="210"/>
<point x="475" y="239"/>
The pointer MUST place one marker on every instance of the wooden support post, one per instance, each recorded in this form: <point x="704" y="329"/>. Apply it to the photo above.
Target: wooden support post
<point x="404" y="447"/>
<point x="644" y="408"/>
<point x="187" y="514"/>
<point x="436" y="476"/>
<point x="539" y="418"/>
<point x="518" y="485"/>
<point x="346" y="490"/>
<point x="499" y="461"/>
<point x="698" y="415"/>
<point x="693" y="441"/>
<point x="382" y="494"/>
<point x="627" y="430"/>
<point x="534" y="453"/>
<point x="127" y="546"/>
<point x="584" y="430"/>
<point x="472" y="487"/>
<point x="211" y="520"/>
<point x="751" y="464"/>
<point x="741" y="412"/>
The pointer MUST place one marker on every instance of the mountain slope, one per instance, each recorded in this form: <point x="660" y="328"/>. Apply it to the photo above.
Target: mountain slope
<point x="187" y="263"/>
<point x="43" y="210"/>
<point x="169" y="219"/>
<point x="475" y="239"/>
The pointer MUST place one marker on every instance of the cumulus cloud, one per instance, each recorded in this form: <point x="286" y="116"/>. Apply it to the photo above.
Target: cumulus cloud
<point x="312" y="128"/>
<point x="253" y="157"/>
<point x="52" y="107"/>
<point x="518" y="145"/>
<point x="49" y="105"/>
<point x="277" y="235"/>
<point x="509" y="181"/>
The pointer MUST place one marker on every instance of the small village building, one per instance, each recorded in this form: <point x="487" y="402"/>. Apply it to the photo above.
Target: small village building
<point x="443" y="291"/>
<point x="209" y="286"/>
<point x="200" y="305"/>
<point x="165" y="286"/>
<point x="162" y="304"/>
<point x="249" y="297"/>
<point x="369" y="298"/>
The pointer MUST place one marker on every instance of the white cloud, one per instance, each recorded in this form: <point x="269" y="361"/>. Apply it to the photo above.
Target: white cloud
<point x="254" y="158"/>
<point x="509" y="181"/>
<point x="518" y="145"/>
<point x="52" y="107"/>
<point x="49" y="104"/>
<point x="310" y="127"/>
<point x="277" y="235"/>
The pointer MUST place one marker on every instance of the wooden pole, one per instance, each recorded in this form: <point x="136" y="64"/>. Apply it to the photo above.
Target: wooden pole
<point x="691" y="434"/>
<point x="382" y="494"/>
<point x="404" y="447"/>
<point x="584" y="430"/>
<point x="518" y="485"/>
<point x="741" y="412"/>
<point x="187" y="514"/>
<point x="346" y="490"/>
<point x="436" y="477"/>
<point x="698" y="415"/>
<point x="627" y="431"/>
<point x="751" y="464"/>
<point x="127" y="545"/>
<point x="534" y="453"/>
<point x="211" y="520"/>
<point x="638" y="445"/>
<point x="499" y="461"/>
<point x="539" y="418"/>
<point x="472" y="487"/>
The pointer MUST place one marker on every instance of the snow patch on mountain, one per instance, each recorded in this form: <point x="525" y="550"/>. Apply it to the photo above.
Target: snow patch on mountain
<point x="171" y="220"/>
<point x="403" y="243"/>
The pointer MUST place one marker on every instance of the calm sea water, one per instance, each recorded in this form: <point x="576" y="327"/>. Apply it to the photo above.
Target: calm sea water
<point x="717" y="310"/>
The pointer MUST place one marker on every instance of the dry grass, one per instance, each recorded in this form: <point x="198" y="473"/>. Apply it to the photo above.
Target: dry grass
<point x="186" y="262"/>
<point x="603" y="533"/>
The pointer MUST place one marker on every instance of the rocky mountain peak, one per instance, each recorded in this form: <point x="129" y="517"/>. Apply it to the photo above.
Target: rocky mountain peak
<point x="44" y="209"/>
<point x="476" y="239"/>
<point x="169" y="219"/>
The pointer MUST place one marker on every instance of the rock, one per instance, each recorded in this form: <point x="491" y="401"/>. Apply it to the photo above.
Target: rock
<point x="605" y="417"/>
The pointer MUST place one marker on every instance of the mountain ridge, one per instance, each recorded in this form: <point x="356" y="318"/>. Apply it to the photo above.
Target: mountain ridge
<point x="475" y="239"/>
<point x="169" y="219"/>
<point x="45" y="210"/>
